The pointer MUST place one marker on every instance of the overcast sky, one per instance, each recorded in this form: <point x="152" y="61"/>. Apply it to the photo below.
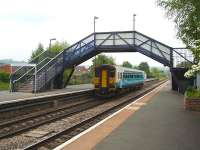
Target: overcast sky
<point x="25" y="23"/>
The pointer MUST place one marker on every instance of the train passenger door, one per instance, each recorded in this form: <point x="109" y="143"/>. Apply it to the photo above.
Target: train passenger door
<point x="104" y="78"/>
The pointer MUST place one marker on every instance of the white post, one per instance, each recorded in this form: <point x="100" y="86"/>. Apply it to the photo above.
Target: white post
<point x="134" y="28"/>
<point x="10" y="77"/>
<point x="35" y="78"/>
<point x="134" y="15"/>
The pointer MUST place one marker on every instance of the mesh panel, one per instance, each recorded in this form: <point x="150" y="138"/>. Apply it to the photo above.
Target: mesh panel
<point x="140" y="37"/>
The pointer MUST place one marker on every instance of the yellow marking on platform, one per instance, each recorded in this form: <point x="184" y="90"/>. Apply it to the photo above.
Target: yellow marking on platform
<point x="139" y="104"/>
<point x="133" y="108"/>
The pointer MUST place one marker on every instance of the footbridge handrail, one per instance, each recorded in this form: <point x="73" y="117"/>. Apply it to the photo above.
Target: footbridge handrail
<point x="98" y="42"/>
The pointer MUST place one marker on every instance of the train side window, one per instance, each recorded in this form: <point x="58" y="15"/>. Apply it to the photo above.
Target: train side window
<point x="124" y="76"/>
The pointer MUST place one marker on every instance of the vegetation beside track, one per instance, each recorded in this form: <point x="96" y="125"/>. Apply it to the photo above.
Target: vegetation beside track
<point x="4" y="80"/>
<point x="4" y="85"/>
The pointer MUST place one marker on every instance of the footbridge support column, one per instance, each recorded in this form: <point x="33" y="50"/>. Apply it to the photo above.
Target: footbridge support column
<point x="179" y="82"/>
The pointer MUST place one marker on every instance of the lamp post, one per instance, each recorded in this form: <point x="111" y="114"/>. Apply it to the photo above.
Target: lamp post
<point x="134" y="15"/>
<point x="53" y="39"/>
<point x="95" y="17"/>
<point x="94" y="20"/>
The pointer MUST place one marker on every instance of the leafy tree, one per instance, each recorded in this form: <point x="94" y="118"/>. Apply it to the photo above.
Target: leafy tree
<point x="99" y="60"/>
<point x="37" y="51"/>
<point x="50" y="52"/>
<point x="103" y="59"/>
<point x="157" y="73"/>
<point x="184" y="64"/>
<point x="57" y="47"/>
<point x="145" y="67"/>
<point x="127" y="64"/>
<point x="186" y="15"/>
<point x="4" y="76"/>
<point x="196" y="51"/>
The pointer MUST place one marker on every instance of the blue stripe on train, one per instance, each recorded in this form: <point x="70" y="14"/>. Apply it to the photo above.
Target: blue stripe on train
<point x="128" y="82"/>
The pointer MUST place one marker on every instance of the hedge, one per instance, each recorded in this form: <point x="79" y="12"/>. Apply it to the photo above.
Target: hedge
<point x="4" y="77"/>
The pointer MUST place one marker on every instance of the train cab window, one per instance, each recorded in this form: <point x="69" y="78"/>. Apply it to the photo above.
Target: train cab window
<point x="112" y="74"/>
<point x="96" y="73"/>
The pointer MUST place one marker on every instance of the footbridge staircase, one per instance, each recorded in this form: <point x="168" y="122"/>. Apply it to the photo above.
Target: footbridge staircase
<point x="48" y="69"/>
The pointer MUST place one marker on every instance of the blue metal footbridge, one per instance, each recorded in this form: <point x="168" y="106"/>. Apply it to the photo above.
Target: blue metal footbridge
<point x="49" y="69"/>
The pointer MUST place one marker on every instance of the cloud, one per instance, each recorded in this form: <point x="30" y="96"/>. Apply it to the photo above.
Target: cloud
<point x="25" y="23"/>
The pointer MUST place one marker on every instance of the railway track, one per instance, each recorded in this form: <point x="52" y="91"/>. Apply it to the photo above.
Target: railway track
<point x="11" y="111"/>
<point x="78" y="115"/>
<point x="54" y="140"/>
<point x="31" y="121"/>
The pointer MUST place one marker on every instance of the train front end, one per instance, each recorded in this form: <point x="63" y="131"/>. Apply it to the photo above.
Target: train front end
<point x="104" y="80"/>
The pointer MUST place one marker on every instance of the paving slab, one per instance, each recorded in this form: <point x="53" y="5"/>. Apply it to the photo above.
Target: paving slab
<point x="8" y="96"/>
<point x="162" y="124"/>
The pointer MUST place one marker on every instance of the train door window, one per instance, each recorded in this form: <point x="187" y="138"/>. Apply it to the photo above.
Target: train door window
<point x="121" y="75"/>
<point x="96" y="73"/>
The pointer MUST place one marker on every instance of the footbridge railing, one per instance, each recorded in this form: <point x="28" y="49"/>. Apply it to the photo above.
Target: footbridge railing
<point x="123" y="41"/>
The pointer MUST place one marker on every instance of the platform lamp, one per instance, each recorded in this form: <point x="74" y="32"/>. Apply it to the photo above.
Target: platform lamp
<point x="53" y="39"/>
<point x="94" y="20"/>
<point x="134" y="15"/>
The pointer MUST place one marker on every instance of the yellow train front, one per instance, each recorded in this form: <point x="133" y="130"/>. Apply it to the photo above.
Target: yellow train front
<point x="104" y="80"/>
<point x="110" y="79"/>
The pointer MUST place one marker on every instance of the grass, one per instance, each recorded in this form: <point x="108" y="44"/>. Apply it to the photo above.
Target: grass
<point x="192" y="93"/>
<point x="4" y="85"/>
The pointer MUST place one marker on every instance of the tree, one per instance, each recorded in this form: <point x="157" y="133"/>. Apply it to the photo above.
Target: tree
<point x="127" y="64"/>
<point x="37" y="51"/>
<point x="186" y="15"/>
<point x="157" y="73"/>
<point x="184" y="64"/>
<point x="145" y="67"/>
<point x="103" y="59"/>
<point x="57" y="47"/>
<point x="50" y="52"/>
<point x="99" y="60"/>
<point x="194" y="69"/>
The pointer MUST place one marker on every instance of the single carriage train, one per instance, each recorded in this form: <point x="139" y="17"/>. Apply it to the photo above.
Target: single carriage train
<point x="111" y="79"/>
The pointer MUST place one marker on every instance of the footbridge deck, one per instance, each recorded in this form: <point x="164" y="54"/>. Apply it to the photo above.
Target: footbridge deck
<point x="50" y="69"/>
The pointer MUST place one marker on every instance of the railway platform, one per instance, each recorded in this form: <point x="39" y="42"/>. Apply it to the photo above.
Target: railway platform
<point x="157" y="121"/>
<point x="6" y="96"/>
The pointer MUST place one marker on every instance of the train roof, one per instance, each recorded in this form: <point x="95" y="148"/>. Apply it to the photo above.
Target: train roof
<point x="121" y="68"/>
<point x="128" y="69"/>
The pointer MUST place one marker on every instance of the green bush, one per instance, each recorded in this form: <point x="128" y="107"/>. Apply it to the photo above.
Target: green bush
<point x="192" y="93"/>
<point x="4" y="77"/>
<point x="4" y="85"/>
